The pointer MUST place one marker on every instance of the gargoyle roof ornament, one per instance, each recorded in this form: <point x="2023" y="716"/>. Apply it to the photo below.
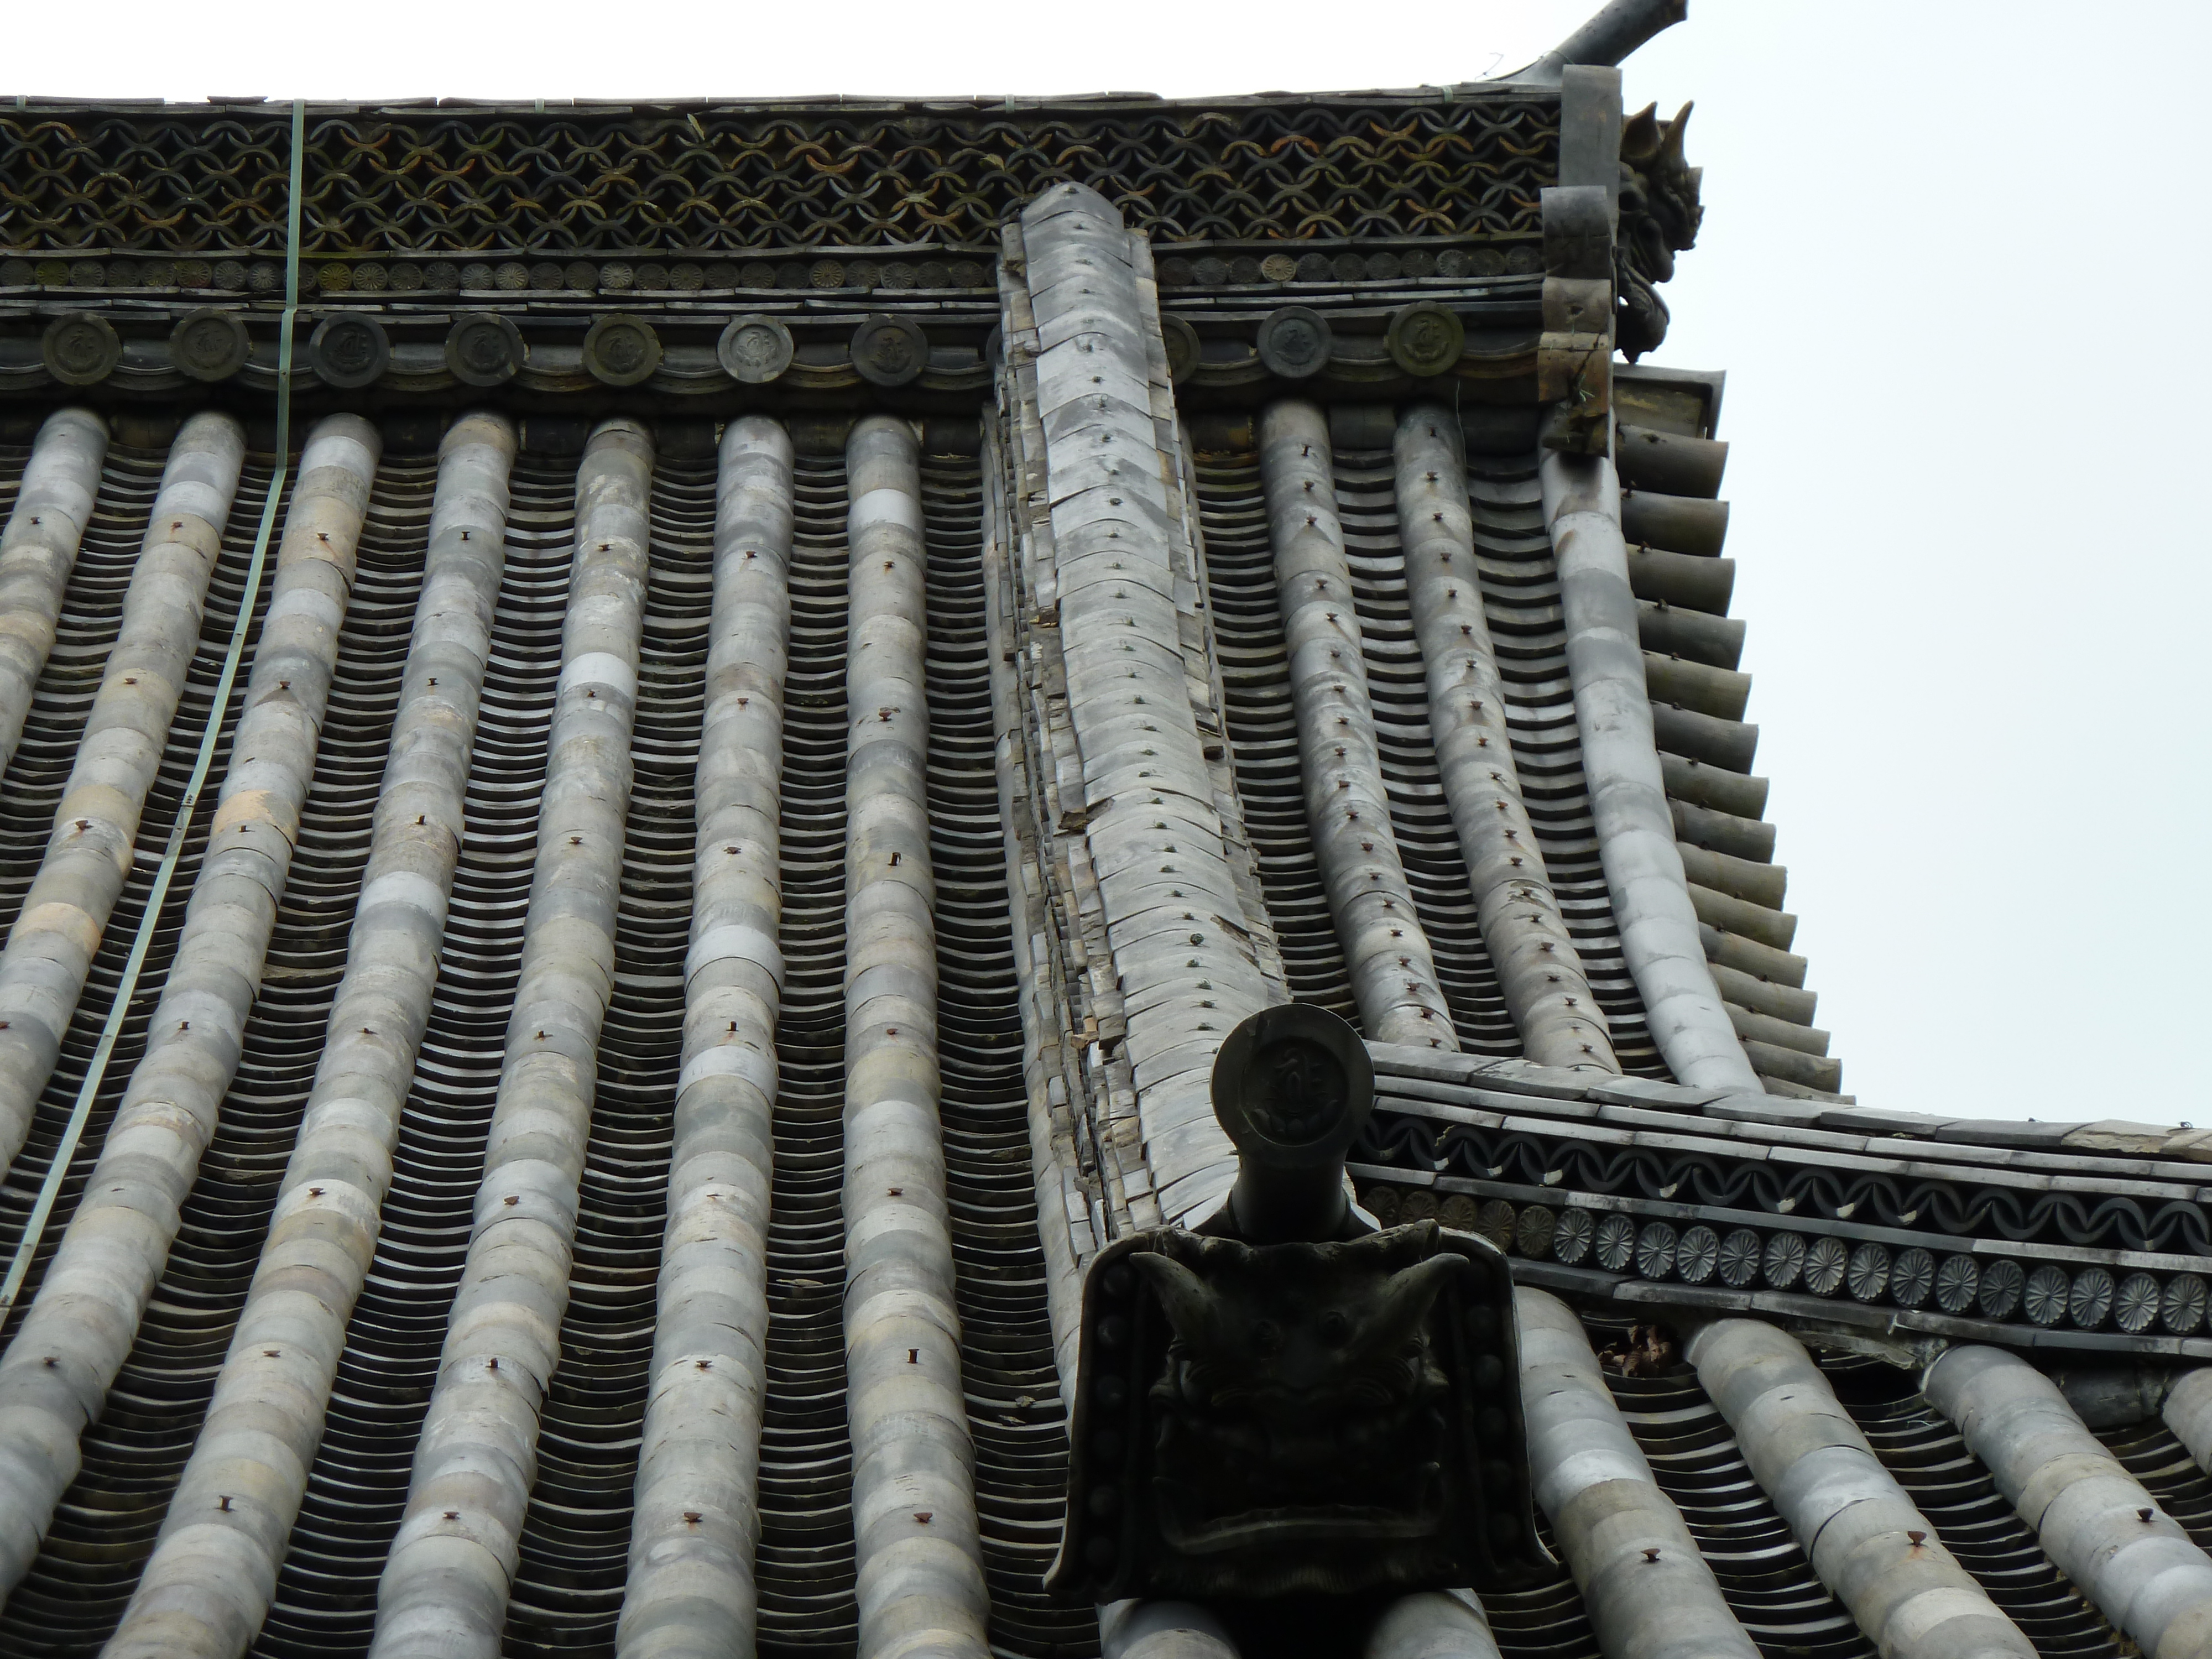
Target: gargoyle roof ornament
<point x="1285" y="1400"/>
<point x="1660" y="213"/>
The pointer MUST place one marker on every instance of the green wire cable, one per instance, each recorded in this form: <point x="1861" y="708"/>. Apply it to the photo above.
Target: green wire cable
<point x="218" y="710"/>
<point x="291" y="295"/>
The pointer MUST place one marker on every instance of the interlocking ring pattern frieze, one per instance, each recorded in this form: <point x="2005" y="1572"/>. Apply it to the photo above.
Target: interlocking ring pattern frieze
<point x="430" y="183"/>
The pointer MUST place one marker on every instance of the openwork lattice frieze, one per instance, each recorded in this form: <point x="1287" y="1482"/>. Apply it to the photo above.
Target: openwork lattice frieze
<point x="711" y="181"/>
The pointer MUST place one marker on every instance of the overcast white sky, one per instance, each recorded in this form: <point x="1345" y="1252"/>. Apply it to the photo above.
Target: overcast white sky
<point x="1946" y="264"/>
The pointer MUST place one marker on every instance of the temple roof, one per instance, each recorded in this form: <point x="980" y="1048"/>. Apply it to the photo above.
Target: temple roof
<point x="599" y="934"/>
